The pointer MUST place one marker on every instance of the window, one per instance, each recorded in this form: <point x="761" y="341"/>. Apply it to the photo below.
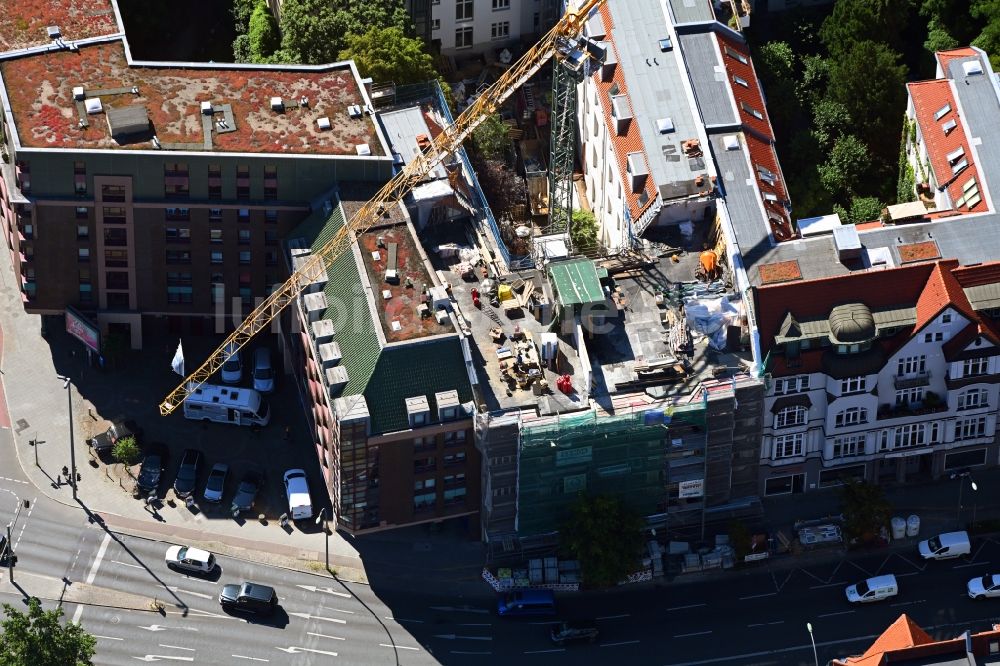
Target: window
<point x="116" y="258"/>
<point x="850" y="445"/>
<point x="244" y="236"/>
<point x="270" y="258"/>
<point x="244" y="214"/>
<point x="970" y="428"/>
<point x="905" y="436"/>
<point x="457" y="458"/>
<point x="454" y="438"/>
<point x="852" y="385"/>
<point x="972" y="399"/>
<point x="179" y="294"/>
<point x="455" y="479"/>
<point x="423" y="484"/>
<point x="215" y="213"/>
<point x="83" y="254"/>
<point x="934" y="337"/>
<point x="739" y="80"/>
<point x="117" y="280"/>
<point x="911" y="365"/>
<point x="270" y="216"/>
<point x="463" y="10"/>
<point x="752" y="111"/>
<point x="244" y="257"/>
<point x="501" y="4"/>
<point x="946" y="318"/>
<point x="454" y="495"/>
<point x="424" y="501"/>
<point x="113" y="192"/>
<point x="86" y="293"/>
<point x="500" y="30"/>
<point x="178" y="279"/>
<point x="424" y="464"/>
<point x="788" y="446"/>
<point x="177" y="213"/>
<point x="837" y="477"/>
<point x="82" y="213"/>
<point x="113" y="215"/>
<point x="733" y="53"/>
<point x="270" y="237"/>
<point x="965" y="459"/>
<point x="790" y="416"/>
<point x="82" y="232"/>
<point x="424" y="444"/>
<point x="851" y="416"/>
<point x="215" y="235"/>
<point x="435" y="24"/>
<point x="463" y="38"/>
<point x="786" y="385"/>
<point x="177" y="234"/>
<point x="909" y="397"/>
<point x="216" y="256"/>
<point x="178" y="256"/>
<point x="974" y="367"/>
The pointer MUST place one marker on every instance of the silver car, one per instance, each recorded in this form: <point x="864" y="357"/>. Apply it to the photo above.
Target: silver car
<point x="263" y="373"/>
<point x="216" y="483"/>
<point x="984" y="587"/>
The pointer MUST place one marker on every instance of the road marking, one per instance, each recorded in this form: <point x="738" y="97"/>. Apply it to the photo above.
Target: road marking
<point x="759" y="596"/>
<point x="97" y="560"/>
<point x="307" y="616"/>
<point x="771" y="624"/>
<point x="912" y="573"/>
<point x="402" y="619"/>
<point x="398" y="647"/>
<point x="161" y="657"/>
<point x="677" y="608"/>
<point x="972" y="564"/>
<point x="908" y="603"/>
<point x="174" y="588"/>
<point x="77" y="614"/>
<point x="242" y="656"/>
<point x="451" y="637"/>
<point x="819" y="587"/>
<point x="335" y="638"/>
<point x="619" y="643"/>
<point x="845" y="612"/>
<point x="108" y="638"/>
<point x="325" y="590"/>
<point x="697" y="633"/>
<point x="335" y="610"/>
<point x="544" y="651"/>
<point x="177" y="647"/>
<point x="160" y="627"/>
<point x="292" y="649"/>
<point x="614" y="617"/>
<point x="126" y="564"/>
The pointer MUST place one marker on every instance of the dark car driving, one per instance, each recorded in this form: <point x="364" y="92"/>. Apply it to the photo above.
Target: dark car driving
<point x="583" y="631"/>
<point x="247" y="491"/>
<point x="251" y="598"/>
<point x="187" y="474"/>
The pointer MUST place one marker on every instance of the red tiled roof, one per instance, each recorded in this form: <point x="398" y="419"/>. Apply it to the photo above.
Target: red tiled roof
<point x="762" y="153"/>
<point x="748" y="95"/>
<point x="903" y="633"/>
<point x="944" y="58"/>
<point x="929" y="97"/>
<point x="974" y="276"/>
<point x="940" y="291"/>
<point x="631" y="141"/>
<point x="864" y="226"/>
<point x="964" y="337"/>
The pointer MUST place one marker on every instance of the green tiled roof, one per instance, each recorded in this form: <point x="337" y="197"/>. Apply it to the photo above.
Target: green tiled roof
<point x="386" y="377"/>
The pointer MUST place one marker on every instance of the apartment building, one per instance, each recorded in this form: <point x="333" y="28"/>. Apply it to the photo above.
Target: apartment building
<point x="467" y="27"/>
<point x="156" y="194"/>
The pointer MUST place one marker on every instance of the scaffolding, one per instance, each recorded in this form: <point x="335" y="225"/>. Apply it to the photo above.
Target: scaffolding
<point x="628" y="456"/>
<point x="563" y="145"/>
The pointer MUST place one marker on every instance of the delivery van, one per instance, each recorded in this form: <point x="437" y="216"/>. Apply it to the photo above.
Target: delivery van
<point x="945" y="546"/>
<point x="872" y="589"/>
<point x="227" y="404"/>
<point x="526" y="602"/>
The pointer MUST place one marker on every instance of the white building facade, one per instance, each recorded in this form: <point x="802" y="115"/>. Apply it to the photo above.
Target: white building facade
<point x="467" y="27"/>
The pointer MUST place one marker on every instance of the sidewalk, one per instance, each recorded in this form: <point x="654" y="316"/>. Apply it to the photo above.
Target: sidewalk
<point x="38" y="411"/>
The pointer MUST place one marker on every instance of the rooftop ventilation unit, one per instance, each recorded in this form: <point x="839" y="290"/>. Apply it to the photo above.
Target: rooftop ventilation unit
<point x="354" y="111"/>
<point x="363" y="149"/>
<point x="322" y="330"/>
<point x="93" y="105"/>
<point x="323" y="123"/>
<point x="330" y="354"/>
<point x="666" y="44"/>
<point x="731" y="142"/>
<point x="277" y="104"/>
<point x="972" y="67"/>
<point x="53" y="32"/>
<point x="206" y="108"/>
<point x="78" y="93"/>
<point x="336" y="377"/>
<point x="847" y="242"/>
<point x="665" y="125"/>
<point x="638" y="171"/>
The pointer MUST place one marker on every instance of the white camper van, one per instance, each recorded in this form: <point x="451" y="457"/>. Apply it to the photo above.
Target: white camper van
<point x="227" y="404"/>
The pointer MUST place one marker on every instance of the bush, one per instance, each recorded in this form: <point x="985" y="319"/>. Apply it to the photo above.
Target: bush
<point x="126" y="451"/>
<point x="491" y="138"/>
<point x="583" y="231"/>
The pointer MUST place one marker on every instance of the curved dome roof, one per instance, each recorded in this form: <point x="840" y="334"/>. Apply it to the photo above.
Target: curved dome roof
<point x="852" y="322"/>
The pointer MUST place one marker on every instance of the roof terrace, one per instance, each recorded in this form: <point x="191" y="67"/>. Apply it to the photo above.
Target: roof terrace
<point x="211" y="107"/>
<point x="24" y="23"/>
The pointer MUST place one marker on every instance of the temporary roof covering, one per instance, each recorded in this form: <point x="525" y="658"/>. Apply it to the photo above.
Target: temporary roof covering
<point x="127" y="120"/>
<point x="576" y="282"/>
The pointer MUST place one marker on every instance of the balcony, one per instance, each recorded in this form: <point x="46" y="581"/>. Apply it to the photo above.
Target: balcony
<point x="927" y="406"/>
<point x="911" y="380"/>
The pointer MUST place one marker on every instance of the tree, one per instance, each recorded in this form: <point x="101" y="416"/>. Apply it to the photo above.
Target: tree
<point x="777" y="66"/>
<point x="830" y="120"/>
<point x="583" y="231"/>
<point x="387" y="54"/>
<point x="316" y="31"/>
<point x="38" y="638"/>
<point x="842" y="171"/>
<point x="262" y="33"/>
<point x="126" y="451"/>
<point x="866" y="510"/>
<point x="938" y="37"/>
<point x="865" y="209"/>
<point x="605" y="536"/>
<point x="492" y="138"/>
<point x="853" y="21"/>
<point x="988" y="11"/>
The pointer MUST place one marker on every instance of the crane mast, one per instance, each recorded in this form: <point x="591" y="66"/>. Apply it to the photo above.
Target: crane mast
<point x="560" y="41"/>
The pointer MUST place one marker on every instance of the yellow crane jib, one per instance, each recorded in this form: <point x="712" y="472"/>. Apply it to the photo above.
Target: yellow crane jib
<point x="562" y="41"/>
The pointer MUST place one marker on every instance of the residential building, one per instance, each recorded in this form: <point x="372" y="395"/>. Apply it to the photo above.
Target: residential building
<point x="156" y="194"/>
<point x="462" y="28"/>
<point x="906" y="644"/>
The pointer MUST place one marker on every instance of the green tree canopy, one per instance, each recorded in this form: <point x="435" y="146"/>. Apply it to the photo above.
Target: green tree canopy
<point x="988" y="11"/>
<point x="316" y="31"/>
<point x="387" y="54"/>
<point x="855" y="21"/>
<point x="492" y="137"/>
<point x="38" y="638"/>
<point x="777" y="67"/>
<point x="866" y="510"/>
<point x="843" y="170"/>
<point x="262" y="33"/>
<point x="830" y="121"/>
<point x="605" y="536"/>
<point x="126" y="451"/>
<point x="583" y="231"/>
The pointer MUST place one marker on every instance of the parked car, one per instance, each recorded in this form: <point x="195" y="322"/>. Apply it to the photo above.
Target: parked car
<point x="252" y="598"/>
<point x="945" y="546"/>
<point x="985" y="587"/>
<point x="297" y="489"/>
<point x="581" y="631"/>
<point x="232" y="369"/>
<point x="246" y="493"/>
<point x="151" y="469"/>
<point x="187" y="474"/>
<point x="263" y="372"/>
<point x="526" y="602"/>
<point x="119" y="429"/>
<point x="872" y="589"/>
<point x="216" y="484"/>
<point x="194" y="560"/>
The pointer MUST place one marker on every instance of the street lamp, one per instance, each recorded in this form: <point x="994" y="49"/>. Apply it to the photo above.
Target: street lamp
<point x="961" y="486"/>
<point x="812" y="640"/>
<point x="72" y="450"/>
<point x="321" y="520"/>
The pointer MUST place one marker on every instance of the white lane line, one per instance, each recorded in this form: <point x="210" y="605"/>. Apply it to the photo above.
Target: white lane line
<point x="972" y="564"/>
<point x="619" y="643"/>
<point x="108" y="638"/>
<point x="398" y="647"/>
<point x="307" y="616"/>
<point x="820" y="587"/>
<point x="912" y="573"/>
<point x="677" y="608"/>
<point x="845" y="612"/>
<point x="174" y="588"/>
<point x="759" y="596"/>
<point x="756" y="624"/>
<point x="544" y="651"/>
<point x="126" y="564"/>
<point x="335" y="638"/>
<point x="243" y="656"/>
<point x="696" y="633"/>
<point x="402" y="619"/>
<point x="97" y="560"/>
<point x="77" y="614"/>
<point x="771" y="624"/>
<point x="614" y="617"/>
<point x="908" y="603"/>
<point x="177" y="647"/>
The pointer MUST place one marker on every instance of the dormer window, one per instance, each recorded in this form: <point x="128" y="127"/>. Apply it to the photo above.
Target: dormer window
<point x="418" y="411"/>
<point x="447" y="405"/>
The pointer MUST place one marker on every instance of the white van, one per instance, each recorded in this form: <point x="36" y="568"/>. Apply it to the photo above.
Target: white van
<point x="297" y="489"/>
<point x="227" y="404"/>
<point x="872" y="589"/>
<point x="945" y="546"/>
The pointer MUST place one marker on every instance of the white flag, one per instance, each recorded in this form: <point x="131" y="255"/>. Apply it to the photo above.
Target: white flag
<point x="178" y="363"/>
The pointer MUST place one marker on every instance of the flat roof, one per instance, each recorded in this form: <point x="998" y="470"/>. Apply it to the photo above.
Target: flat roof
<point x="708" y="78"/>
<point x="24" y="24"/>
<point x="402" y="127"/>
<point x="576" y="282"/>
<point x="691" y="11"/>
<point x="822" y="224"/>
<point x="40" y="87"/>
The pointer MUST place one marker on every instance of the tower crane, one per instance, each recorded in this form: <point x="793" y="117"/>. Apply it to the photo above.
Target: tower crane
<point x="562" y="42"/>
